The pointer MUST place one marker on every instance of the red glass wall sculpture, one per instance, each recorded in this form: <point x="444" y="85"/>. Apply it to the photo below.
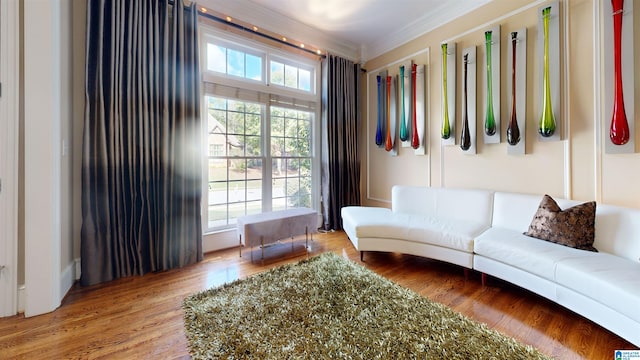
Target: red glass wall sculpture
<point x="619" y="130"/>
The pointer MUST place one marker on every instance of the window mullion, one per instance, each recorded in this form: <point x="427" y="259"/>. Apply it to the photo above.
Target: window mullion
<point x="267" y="166"/>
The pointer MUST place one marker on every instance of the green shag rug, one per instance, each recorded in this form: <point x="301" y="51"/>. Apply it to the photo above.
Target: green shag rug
<point x="328" y="307"/>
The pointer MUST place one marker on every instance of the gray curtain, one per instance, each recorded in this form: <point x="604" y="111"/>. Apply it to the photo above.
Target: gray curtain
<point x="340" y="131"/>
<point x="142" y="157"/>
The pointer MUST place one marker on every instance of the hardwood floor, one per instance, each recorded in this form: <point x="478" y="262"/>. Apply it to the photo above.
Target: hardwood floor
<point x="141" y="317"/>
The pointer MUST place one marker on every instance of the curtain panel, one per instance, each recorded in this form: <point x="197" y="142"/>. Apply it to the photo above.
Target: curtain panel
<point x="142" y="156"/>
<point x="340" y="130"/>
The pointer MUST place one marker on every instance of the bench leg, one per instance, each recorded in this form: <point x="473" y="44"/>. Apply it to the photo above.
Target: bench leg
<point x="362" y="256"/>
<point x="484" y="279"/>
<point x="240" y="245"/>
<point x="466" y="273"/>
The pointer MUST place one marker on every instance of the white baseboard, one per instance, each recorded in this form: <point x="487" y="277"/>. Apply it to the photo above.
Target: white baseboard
<point x="219" y="240"/>
<point x="67" y="278"/>
<point x="78" y="268"/>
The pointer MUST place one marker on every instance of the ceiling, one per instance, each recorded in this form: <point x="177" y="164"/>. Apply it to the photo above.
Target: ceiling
<point x="375" y="26"/>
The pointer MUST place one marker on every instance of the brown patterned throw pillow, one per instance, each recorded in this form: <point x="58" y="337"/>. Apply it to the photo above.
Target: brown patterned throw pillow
<point x="573" y="227"/>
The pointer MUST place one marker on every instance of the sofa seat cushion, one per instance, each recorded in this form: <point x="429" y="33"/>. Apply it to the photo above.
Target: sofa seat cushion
<point x="375" y="222"/>
<point x="513" y="248"/>
<point x="454" y="234"/>
<point x="606" y="278"/>
<point x="372" y="222"/>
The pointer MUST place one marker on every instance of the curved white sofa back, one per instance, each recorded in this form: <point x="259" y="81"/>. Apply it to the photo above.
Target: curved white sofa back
<point x="617" y="228"/>
<point x="452" y="204"/>
<point x="618" y="231"/>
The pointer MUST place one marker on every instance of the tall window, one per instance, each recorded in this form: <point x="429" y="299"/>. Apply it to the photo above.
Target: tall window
<point x="261" y="126"/>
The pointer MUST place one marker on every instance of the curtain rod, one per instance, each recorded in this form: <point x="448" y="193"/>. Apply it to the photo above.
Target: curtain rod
<point x="244" y="28"/>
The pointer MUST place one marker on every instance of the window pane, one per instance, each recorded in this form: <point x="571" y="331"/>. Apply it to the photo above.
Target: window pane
<point x="305" y="167"/>
<point x="278" y="193"/>
<point x="292" y="167"/>
<point x="254" y="67"/>
<point x="277" y="73"/>
<point x="236" y="210"/>
<point x="217" y="192"/>
<point x="253" y="207"/>
<point x="217" y="103"/>
<point x="251" y="108"/>
<point x="217" y="171"/>
<point x="235" y="62"/>
<point x="291" y="126"/>
<point x="304" y="138"/>
<point x="304" y="80"/>
<point x="237" y="169"/>
<point x="217" y="216"/>
<point x="277" y="125"/>
<point x="254" y="167"/>
<point x="291" y="76"/>
<point x="217" y="144"/>
<point x="235" y="123"/>
<point x="237" y="106"/>
<point x="216" y="58"/>
<point x="253" y="145"/>
<point x="237" y="191"/>
<point x="252" y="124"/>
<point x="217" y="121"/>
<point x="254" y="189"/>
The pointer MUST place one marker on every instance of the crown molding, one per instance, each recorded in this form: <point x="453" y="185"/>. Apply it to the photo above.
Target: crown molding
<point x="430" y="21"/>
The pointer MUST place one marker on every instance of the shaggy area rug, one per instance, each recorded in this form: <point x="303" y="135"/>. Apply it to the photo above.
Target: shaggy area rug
<point x="328" y="307"/>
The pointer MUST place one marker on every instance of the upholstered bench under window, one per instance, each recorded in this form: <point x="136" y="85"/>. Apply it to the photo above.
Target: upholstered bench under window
<point x="270" y="227"/>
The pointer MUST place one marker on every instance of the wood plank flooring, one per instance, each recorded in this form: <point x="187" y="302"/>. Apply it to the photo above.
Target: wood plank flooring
<point x="141" y="317"/>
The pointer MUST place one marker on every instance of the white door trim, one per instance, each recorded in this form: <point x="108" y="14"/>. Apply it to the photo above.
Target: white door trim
<point x="9" y="70"/>
<point x="42" y="155"/>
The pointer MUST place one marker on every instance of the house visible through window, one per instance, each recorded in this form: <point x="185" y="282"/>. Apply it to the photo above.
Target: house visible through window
<point x="260" y="128"/>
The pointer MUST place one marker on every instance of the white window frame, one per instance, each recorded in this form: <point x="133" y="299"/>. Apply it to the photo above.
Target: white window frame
<point x="285" y="61"/>
<point x="259" y="89"/>
<point x="217" y="40"/>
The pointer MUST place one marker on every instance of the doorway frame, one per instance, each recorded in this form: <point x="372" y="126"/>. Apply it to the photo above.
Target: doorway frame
<point x="9" y="110"/>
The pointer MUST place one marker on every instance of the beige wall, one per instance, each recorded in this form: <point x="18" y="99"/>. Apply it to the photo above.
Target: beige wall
<point x="575" y="167"/>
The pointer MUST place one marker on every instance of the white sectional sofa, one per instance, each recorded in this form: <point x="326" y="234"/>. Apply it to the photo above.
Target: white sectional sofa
<point x="483" y="230"/>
